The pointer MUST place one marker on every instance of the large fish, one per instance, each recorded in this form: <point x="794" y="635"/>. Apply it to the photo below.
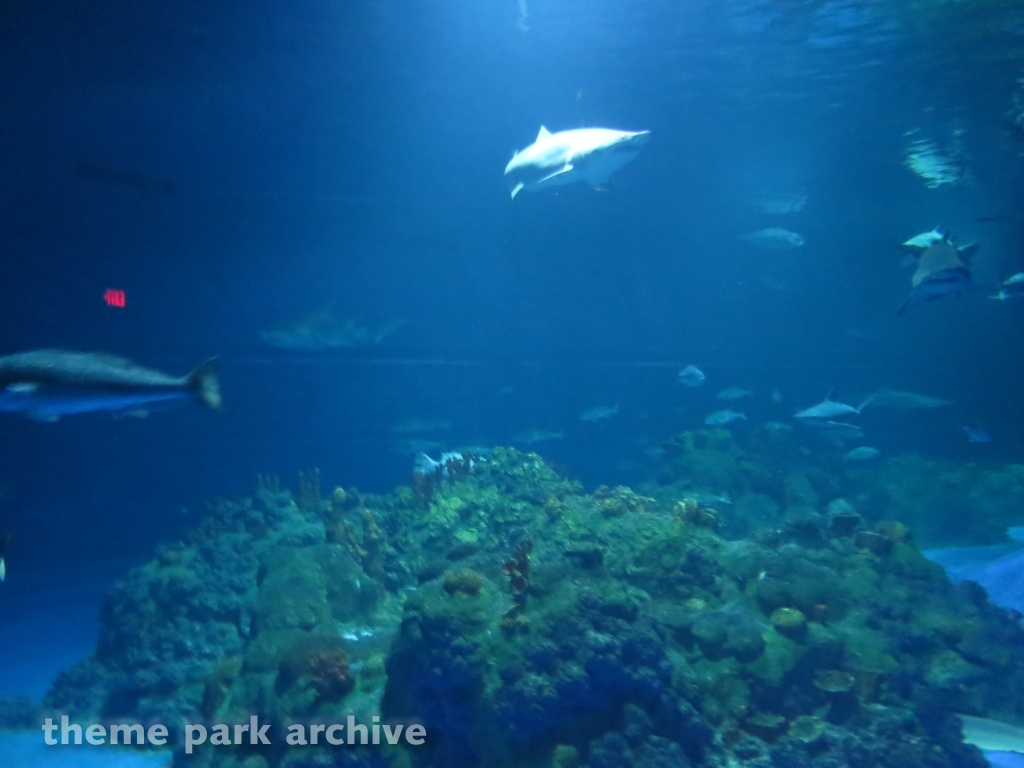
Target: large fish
<point x="324" y="329"/>
<point x="940" y="272"/>
<point x="905" y="401"/>
<point x="49" y="383"/>
<point x="582" y="154"/>
<point x="828" y="409"/>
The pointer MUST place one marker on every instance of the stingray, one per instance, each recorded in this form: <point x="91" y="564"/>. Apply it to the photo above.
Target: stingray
<point x="941" y="272"/>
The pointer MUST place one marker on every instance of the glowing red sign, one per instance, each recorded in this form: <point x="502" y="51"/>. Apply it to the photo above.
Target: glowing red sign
<point x="114" y="297"/>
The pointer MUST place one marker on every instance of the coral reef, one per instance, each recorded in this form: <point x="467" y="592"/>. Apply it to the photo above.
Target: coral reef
<point x="528" y="624"/>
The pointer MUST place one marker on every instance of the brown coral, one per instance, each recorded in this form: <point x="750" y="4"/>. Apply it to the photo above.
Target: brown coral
<point x="321" y="662"/>
<point x="464" y="582"/>
<point x="518" y="570"/>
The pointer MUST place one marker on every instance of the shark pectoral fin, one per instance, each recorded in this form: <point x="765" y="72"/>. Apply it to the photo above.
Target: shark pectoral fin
<point x="564" y="169"/>
<point x="516" y="189"/>
<point x="543" y="133"/>
<point x="23" y="387"/>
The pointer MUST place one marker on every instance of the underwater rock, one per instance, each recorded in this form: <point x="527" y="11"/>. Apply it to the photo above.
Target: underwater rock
<point x="464" y="582"/>
<point x="789" y="622"/>
<point x="575" y="638"/>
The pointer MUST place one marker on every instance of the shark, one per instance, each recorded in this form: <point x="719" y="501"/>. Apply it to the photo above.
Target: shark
<point x="45" y="384"/>
<point x="939" y="273"/>
<point x="566" y="157"/>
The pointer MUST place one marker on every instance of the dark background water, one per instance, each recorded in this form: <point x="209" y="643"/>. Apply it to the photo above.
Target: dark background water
<point x="233" y="165"/>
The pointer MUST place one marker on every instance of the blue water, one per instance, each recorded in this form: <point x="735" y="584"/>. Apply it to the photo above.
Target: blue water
<point x="236" y="166"/>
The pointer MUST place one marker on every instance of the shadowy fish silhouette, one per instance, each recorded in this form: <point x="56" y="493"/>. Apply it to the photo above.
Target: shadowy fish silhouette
<point x="691" y="376"/>
<point x="774" y="239"/>
<point x="721" y="418"/>
<point x="325" y="329"/>
<point x="940" y="272"/>
<point x="1011" y="288"/>
<point x="46" y="384"/>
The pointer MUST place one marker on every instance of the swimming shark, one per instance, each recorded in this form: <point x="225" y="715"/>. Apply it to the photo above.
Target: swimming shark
<point x="581" y="154"/>
<point x="46" y="384"/>
<point x="940" y="272"/>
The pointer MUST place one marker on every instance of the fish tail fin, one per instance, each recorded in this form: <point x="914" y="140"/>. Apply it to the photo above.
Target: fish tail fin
<point x="206" y="383"/>
<point x="903" y="307"/>
<point x="867" y="402"/>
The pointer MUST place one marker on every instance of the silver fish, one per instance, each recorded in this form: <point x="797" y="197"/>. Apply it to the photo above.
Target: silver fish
<point x="46" y="384"/>
<point x="862" y="453"/>
<point x="721" y="418"/>
<point x="325" y="329"/>
<point x="904" y="401"/>
<point x="532" y="436"/>
<point x="734" y="393"/>
<point x="600" y="412"/>
<point x="691" y="376"/>
<point x="774" y="239"/>
<point x="1011" y="288"/>
<point x="924" y="241"/>
<point x="826" y="409"/>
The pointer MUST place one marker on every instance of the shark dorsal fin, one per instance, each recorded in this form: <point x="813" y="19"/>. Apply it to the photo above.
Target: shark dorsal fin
<point x="543" y="133"/>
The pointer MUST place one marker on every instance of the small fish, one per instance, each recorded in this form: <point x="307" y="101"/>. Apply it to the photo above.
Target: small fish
<point x="827" y="409"/>
<point x="904" y="401"/>
<point x="532" y="436"/>
<point x="691" y="376"/>
<point x="733" y="393"/>
<point x="412" y="426"/>
<point x="976" y="434"/>
<point x="49" y="383"/>
<point x="599" y="413"/>
<point x="925" y="240"/>
<point x="774" y="239"/>
<point x="1011" y="288"/>
<point x="941" y="272"/>
<point x="708" y="499"/>
<point x="3" y="563"/>
<point x="721" y="418"/>
<point x="781" y="204"/>
<point x="776" y="426"/>
<point x="862" y="453"/>
<point x="564" y="157"/>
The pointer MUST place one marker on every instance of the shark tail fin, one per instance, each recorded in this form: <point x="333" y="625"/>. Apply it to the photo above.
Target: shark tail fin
<point x="516" y="189"/>
<point x="867" y="402"/>
<point x="903" y="307"/>
<point x="206" y="383"/>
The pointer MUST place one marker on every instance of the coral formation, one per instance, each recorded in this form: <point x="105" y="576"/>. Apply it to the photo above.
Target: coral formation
<point x="528" y="624"/>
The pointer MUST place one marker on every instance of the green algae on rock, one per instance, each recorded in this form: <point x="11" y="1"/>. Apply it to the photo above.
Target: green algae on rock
<point x="567" y="634"/>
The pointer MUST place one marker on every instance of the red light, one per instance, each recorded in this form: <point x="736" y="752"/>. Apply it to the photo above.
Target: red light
<point x="114" y="297"/>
